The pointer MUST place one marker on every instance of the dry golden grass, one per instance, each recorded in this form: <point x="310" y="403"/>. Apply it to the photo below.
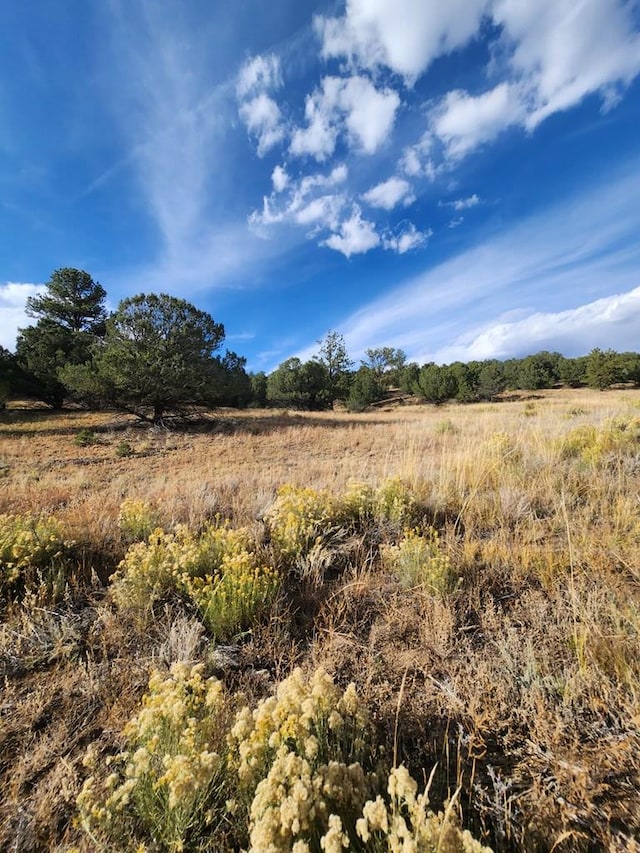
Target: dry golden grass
<point x="522" y="683"/>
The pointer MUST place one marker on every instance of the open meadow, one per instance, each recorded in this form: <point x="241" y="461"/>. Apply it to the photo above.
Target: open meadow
<point x="185" y="609"/>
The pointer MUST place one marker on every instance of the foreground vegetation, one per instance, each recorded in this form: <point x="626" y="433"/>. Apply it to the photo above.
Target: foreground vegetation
<point x="415" y="629"/>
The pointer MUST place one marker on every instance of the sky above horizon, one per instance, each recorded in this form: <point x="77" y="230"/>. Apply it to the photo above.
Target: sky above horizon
<point x="458" y="180"/>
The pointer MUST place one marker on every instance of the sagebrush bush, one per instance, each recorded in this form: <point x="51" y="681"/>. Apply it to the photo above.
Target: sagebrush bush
<point x="294" y="775"/>
<point x="237" y="594"/>
<point x="33" y="551"/>
<point x="303" y="760"/>
<point x="404" y="822"/>
<point x="391" y="502"/>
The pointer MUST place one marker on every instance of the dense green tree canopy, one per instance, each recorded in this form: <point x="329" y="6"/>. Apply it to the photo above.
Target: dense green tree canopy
<point x="157" y="354"/>
<point x="73" y="300"/>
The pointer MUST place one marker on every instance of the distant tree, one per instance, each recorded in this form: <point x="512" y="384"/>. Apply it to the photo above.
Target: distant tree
<point x="436" y="383"/>
<point x="539" y="371"/>
<point x="73" y="300"/>
<point x="232" y="384"/>
<point x="629" y="364"/>
<point x="71" y="315"/>
<point x="491" y="379"/>
<point x="386" y="363"/>
<point x="333" y="356"/>
<point x="366" y="388"/>
<point x="300" y="385"/>
<point x="603" y="369"/>
<point x="7" y="375"/>
<point x="572" y="371"/>
<point x="259" y="389"/>
<point x="408" y="377"/>
<point x="466" y="376"/>
<point x="157" y="354"/>
<point x="43" y="350"/>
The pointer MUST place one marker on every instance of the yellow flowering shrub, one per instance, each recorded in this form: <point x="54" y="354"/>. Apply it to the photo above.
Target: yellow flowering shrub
<point x="232" y="598"/>
<point x="32" y="548"/>
<point x="167" y="786"/>
<point x="137" y="519"/>
<point x="392" y="501"/>
<point x="404" y="822"/>
<point x="300" y="518"/>
<point x="217" y="569"/>
<point x="299" y="758"/>
<point x="593" y="445"/>
<point x="418" y="560"/>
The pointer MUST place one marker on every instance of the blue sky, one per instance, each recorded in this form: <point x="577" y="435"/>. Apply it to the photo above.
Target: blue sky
<point x="460" y="179"/>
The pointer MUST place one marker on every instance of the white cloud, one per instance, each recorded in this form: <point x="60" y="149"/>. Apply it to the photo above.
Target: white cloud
<point x="553" y="53"/>
<point x="550" y="55"/>
<point x="389" y="193"/>
<point x="407" y="239"/>
<point x="13" y="297"/>
<point x="564" y="50"/>
<point x="303" y="202"/>
<point x="416" y="159"/>
<point x="612" y="321"/>
<point x="351" y="106"/>
<point x="454" y="223"/>
<point x="582" y="253"/>
<point x="323" y="211"/>
<point x="462" y="121"/>
<point x="259" y="74"/>
<point x="464" y="203"/>
<point x="406" y="36"/>
<point x="319" y="137"/>
<point x="279" y="179"/>
<point x="370" y="113"/>
<point x="263" y="119"/>
<point x="355" y="235"/>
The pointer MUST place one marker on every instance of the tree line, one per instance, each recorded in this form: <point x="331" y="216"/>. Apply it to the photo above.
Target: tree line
<point x="157" y="354"/>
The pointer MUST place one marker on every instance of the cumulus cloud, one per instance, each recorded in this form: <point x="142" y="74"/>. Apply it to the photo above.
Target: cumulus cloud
<point x="463" y="122"/>
<point x="406" y="239"/>
<point x="352" y="106"/>
<point x="311" y="200"/>
<point x="549" y="55"/>
<point x="13" y="297"/>
<point x="464" y="203"/>
<point x="390" y="193"/>
<point x="259" y="74"/>
<point x="355" y="236"/>
<point x="406" y="36"/>
<point x="563" y="50"/>
<point x="553" y="53"/>
<point x="279" y="179"/>
<point x="263" y="119"/>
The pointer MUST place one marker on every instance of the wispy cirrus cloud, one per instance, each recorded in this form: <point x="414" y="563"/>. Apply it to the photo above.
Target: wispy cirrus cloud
<point x="556" y="270"/>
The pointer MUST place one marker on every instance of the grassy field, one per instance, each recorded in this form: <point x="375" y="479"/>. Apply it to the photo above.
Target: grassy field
<point x="474" y="571"/>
